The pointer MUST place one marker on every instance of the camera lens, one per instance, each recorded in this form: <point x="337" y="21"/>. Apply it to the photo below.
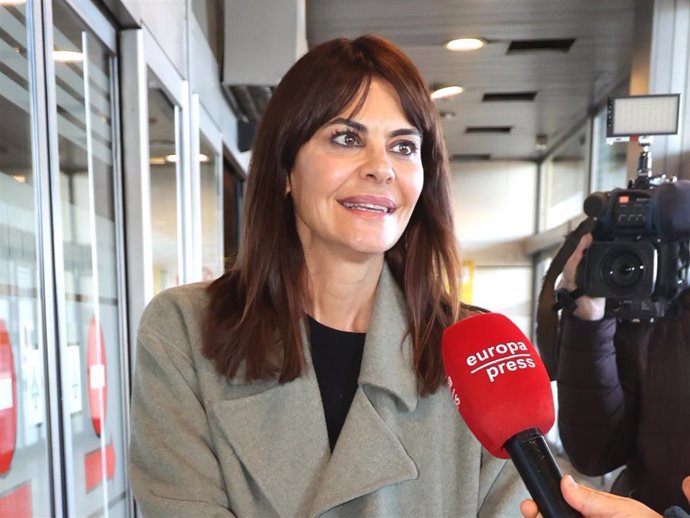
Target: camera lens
<point x="624" y="270"/>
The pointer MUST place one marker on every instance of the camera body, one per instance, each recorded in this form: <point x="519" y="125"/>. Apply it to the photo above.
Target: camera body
<point x="638" y="260"/>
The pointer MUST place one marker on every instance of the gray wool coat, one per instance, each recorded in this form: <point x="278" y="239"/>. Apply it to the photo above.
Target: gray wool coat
<point x="206" y="446"/>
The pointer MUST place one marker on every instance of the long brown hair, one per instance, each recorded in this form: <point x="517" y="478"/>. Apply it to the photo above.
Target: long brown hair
<point x="253" y="321"/>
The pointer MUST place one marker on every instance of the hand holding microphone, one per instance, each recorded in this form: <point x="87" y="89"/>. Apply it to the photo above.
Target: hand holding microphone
<point x="503" y="393"/>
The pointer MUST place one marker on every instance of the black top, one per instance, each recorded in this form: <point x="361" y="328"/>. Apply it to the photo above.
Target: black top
<point x="337" y="356"/>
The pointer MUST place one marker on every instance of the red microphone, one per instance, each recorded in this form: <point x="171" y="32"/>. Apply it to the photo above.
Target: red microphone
<point x="503" y="393"/>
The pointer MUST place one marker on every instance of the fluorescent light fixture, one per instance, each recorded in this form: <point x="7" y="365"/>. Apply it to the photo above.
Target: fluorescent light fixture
<point x="157" y="160"/>
<point x="68" y="56"/>
<point x="642" y="115"/>
<point x="173" y="158"/>
<point x="446" y="91"/>
<point x="465" y="44"/>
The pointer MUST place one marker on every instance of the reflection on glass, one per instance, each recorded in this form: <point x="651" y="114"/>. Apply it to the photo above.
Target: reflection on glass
<point x="164" y="187"/>
<point x="610" y="168"/>
<point x="565" y="179"/>
<point x="211" y="211"/>
<point x="90" y="352"/>
<point x="24" y="451"/>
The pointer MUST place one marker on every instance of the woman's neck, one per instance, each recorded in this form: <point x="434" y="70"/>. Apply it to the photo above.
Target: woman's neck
<point x="341" y="294"/>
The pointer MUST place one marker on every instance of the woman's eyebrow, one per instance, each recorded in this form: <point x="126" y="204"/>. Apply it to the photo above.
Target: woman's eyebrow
<point x="363" y="129"/>
<point x="349" y="122"/>
<point x="406" y="131"/>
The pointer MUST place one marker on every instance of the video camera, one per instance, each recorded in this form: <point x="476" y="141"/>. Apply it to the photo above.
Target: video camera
<point x="639" y="257"/>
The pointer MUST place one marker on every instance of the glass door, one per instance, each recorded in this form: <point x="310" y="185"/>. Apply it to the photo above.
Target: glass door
<point x="88" y="275"/>
<point x="210" y="164"/>
<point x="25" y="465"/>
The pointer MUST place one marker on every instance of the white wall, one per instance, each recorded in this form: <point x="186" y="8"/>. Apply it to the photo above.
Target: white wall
<point x="166" y="21"/>
<point x="494" y="207"/>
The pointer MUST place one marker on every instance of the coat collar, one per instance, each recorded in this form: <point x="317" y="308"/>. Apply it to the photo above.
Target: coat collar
<point x="280" y="435"/>
<point x="387" y="359"/>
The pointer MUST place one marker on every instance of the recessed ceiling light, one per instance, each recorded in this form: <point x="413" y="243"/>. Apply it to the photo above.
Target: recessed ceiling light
<point x="442" y="92"/>
<point x="68" y="56"/>
<point x="465" y="44"/>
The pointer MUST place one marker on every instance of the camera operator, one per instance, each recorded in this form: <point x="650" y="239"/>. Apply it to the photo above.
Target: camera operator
<point x="624" y="393"/>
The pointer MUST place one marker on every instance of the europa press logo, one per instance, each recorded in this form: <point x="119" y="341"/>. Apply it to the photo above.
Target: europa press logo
<point x="500" y="359"/>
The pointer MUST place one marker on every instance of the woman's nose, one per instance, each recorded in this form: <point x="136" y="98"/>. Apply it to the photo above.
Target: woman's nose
<point x="378" y="166"/>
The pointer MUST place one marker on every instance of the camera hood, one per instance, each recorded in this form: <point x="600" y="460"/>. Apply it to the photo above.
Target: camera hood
<point x="672" y="210"/>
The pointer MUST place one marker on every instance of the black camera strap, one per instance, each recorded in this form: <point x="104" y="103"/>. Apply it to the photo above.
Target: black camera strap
<point x="549" y="304"/>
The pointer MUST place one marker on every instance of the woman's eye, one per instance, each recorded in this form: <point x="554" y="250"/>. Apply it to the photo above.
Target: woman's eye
<point x="346" y="139"/>
<point x="405" y="148"/>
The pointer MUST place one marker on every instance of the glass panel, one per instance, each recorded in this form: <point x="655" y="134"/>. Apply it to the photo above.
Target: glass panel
<point x="611" y="168"/>
<point x="565" y="176"/>
<point x="25" y="485"/>
<point x="164" y="187"/>
<point x="91" y="367"/>
<point x="211" y="211"/>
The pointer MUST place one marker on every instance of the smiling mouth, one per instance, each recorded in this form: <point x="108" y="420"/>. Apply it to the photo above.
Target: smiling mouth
<point x="369" y="207"/>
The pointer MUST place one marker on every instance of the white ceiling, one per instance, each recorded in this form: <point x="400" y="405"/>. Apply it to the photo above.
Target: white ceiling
<point x="568" y="84"/>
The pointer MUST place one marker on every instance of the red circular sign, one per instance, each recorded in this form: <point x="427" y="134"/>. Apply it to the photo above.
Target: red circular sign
<point x="96" y="375"/>
<point x="8" y="401"/>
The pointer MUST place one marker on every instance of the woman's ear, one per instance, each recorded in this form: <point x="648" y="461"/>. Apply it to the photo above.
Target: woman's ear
<point x="287" y="185"/>
<point x="686" y="487"/>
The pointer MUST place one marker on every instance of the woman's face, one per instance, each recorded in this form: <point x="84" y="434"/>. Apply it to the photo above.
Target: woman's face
<point x="356" y="181"/>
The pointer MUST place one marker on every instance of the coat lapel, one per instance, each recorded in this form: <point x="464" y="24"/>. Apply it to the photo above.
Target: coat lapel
<point x="280" y="437"/>
<point x="368" y="454"/>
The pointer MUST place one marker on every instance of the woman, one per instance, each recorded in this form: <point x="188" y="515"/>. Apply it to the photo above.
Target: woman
<point x="307" y="381"/>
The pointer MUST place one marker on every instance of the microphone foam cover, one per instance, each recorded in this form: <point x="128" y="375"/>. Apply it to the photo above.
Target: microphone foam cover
<point x="496" y="379"/>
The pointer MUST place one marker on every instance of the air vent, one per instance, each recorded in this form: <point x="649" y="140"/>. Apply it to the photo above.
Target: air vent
<point x="469" y="157"/>
<point x="508" y="96"/>
<point x="248" y="102"/>
<point x="488" y="129"/>
<point x="521" y="46"/>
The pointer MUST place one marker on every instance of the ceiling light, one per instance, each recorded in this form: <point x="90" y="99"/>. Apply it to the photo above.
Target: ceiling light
<point x="157" y="160"/>
<point x="441" y="92"/>
<point x="20" y="178"/>
<point x="465" y="44"/>
<point x="12" y="2"/>
<point x="172" y="159"/>
<point x="68" y="56"/>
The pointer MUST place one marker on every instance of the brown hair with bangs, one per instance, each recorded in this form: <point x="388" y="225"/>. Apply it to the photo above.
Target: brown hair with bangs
<point x="252" y="325"/>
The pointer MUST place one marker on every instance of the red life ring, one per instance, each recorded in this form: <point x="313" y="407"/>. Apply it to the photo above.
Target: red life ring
<point x="96" y="376"/>
<point x="8" y="401"/>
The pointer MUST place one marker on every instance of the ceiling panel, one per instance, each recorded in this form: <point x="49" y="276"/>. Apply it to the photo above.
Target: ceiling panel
<point x="568" y="84"/>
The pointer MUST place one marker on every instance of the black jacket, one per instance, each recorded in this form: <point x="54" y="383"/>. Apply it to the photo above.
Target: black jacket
<point x="624" y="399"/>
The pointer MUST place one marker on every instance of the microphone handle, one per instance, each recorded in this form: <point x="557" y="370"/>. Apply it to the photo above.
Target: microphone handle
<point x="538" y="469"/>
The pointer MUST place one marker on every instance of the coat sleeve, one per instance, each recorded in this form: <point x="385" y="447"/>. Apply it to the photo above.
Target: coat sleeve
<point x="597" y="402"/>
<point x="173" y="469"/>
